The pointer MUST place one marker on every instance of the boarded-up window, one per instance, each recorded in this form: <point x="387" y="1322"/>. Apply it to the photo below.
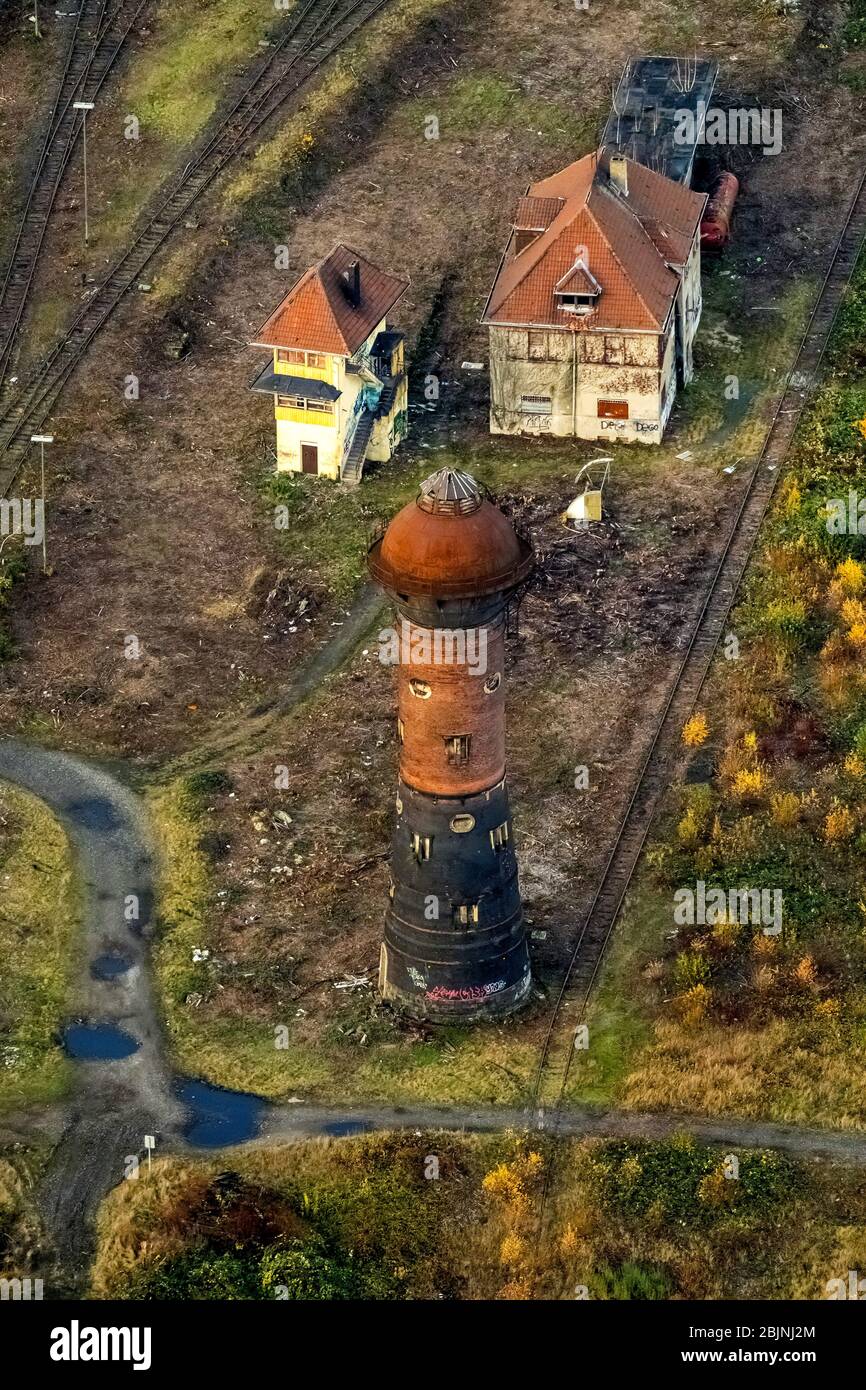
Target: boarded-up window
<point x="499" y="836"/>
<point x="457" y="748"/>
<point x="465" y="914"/>
<point x="515" y="345"/>
<point x="538" y="347"/>
<point x="613" y="410"/>
<point x="421" y="847"/>
<point x="614" y="351"/>
<point x="593" y="347"/>
<point x="535" y="405"/>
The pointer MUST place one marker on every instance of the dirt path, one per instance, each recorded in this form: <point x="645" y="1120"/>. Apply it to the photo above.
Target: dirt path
<point x="282" y="1123"/>
<point x="113" y="1103"/>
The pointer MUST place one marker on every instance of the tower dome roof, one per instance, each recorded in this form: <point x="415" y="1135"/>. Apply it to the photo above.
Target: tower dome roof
<point x="450" y="542"/>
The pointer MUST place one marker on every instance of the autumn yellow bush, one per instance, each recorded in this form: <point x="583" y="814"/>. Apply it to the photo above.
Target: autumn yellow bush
<point x="806" y="971"/>
<point x="512" y="1250"/>
<point x="853" y="611"/>
<point x="839" y="824"/>
<point x="750" y="782"/>
<point x="785" y="809"/>
<point x="696" y="731"/>
<point x="850" y="576"/>
<point x="692" y="1005"/>
<point x="509" y="1183"/>
<point x="763" y="945"/>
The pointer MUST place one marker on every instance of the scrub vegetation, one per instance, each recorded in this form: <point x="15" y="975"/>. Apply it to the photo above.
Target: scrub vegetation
<point x="725" y="1015"/>
<point x="441" y="1216"/>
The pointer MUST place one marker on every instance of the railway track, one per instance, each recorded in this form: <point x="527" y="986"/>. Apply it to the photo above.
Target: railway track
<point x="659" y="765"/>
<point x="98" y="35"/>
<point x="315" y="31"/>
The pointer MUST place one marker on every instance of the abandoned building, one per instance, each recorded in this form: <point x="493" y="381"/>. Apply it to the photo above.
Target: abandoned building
<point x="455" y="939"/>
<point x="594" y="310"/>
<point x="337" y="374"/>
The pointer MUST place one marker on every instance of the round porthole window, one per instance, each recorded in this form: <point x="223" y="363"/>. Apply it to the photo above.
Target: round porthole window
<point x="493" y="683"/>
<point x="420" y="689"/>
<point x="461" y="825"/>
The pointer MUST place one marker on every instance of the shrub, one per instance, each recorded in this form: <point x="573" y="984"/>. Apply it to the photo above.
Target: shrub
<point x="691" y="968"/>
<point x="630" y="1281"/>
<point x="197" y="1275"/>
<point x="749" y="783"/>
<point x="785" y="809"/>
<point x="301" y="1272"/>
<point x="851" y="576"/>
<point x="839" y="824"/>
<point x="695" y="731"/>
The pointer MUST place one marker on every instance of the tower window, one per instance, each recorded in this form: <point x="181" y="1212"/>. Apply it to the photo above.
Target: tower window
<point x="421" y="847"/>
<point x="466" y="914"/>
<point x="420" y="689"/>
<point x="457" y="748"/>
<point x="462" y="824"/>
<point x="499" y="836"/>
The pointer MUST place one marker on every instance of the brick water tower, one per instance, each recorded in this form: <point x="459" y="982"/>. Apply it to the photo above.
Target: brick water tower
<point x="455" y="939"/>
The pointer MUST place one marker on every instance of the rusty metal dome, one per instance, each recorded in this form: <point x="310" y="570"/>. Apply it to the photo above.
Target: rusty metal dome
<point x="450" y="542"/>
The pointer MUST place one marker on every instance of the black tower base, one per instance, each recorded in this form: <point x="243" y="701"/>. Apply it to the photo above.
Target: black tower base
<point x="455" y="939"/>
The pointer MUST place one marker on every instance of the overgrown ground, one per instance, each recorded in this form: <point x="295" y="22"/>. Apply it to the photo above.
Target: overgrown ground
<point x="39" y="911"/>
<point x="22" y="1239"/>
<point x="162" y="521"/>
<point x="726" y="1015"/>
<point x="438" y="1216"/>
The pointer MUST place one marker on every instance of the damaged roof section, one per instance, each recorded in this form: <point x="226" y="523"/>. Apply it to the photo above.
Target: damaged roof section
<point x="645" y="122"/>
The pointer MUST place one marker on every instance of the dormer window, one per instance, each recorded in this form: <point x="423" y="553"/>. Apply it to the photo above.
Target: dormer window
<point x="577" y="303"/>
<point x="578" y="291"/>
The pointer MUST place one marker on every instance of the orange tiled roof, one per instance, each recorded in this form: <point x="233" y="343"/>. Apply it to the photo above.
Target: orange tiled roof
<point x="536" y="214"/>
<point x="317" y="314"/>
<point x="628" y="244"/>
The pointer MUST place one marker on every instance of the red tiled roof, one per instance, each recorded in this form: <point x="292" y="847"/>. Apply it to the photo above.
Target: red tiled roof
<point x="627" y="242"/>
<point x="317" y="314"/>
<point x="536" y="214"/>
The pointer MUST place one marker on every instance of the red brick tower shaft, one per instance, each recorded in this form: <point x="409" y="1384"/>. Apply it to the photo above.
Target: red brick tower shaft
<point x="455" y="942"/>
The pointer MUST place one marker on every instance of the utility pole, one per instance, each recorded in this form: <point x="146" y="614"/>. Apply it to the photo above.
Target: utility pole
<point x="42" y="440"/>
<point x="84" y="107"/>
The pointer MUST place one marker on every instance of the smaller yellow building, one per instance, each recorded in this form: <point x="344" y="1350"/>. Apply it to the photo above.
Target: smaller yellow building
<point x="337" y="374"/>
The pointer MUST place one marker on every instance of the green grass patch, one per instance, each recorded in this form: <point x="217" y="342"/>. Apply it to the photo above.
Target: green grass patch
<point x="195" y="50"/>
<point x="39" y="924"/>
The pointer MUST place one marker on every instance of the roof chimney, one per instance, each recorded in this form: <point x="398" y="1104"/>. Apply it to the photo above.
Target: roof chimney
<point x="352" y="278"/>
<point x="619" y="173"/>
